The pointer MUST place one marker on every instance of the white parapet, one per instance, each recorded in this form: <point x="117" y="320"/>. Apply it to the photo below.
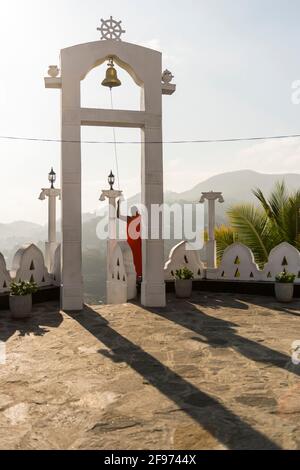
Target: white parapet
<point x="283" y="258"/>
<point x="5" y="278"/>
<point x="29" y="265"/>
<point x="238" y="264"/>
<point x="182" y="256"/>
<point x="55" y="270"/>
<point x="121" y="282"/>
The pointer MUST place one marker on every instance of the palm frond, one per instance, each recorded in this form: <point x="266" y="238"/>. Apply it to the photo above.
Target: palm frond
<point x="225" y="236"/>
<point x="253" y="229"/>
<point x="291" y="219"/>
<point x="265" y="205"/>
<point x="278" y="198"/>
<point x="277" y="220"/>
<point x="275" y="208"/>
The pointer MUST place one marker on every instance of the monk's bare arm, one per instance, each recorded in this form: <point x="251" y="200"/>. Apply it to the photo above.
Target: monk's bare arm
<point x="119" y="216"/>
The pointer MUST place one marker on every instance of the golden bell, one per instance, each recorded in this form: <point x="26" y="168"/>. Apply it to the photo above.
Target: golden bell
<point x="111" y="80"/>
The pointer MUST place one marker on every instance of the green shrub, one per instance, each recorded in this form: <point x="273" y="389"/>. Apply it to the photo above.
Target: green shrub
<point x="286" y="278"/>
<point x="23" y="288"/>
<point x="184" y="274"/>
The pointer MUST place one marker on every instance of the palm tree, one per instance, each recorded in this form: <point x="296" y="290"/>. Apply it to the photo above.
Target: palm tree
<point x="225" y="236"/>
<point x="262" y="228"/>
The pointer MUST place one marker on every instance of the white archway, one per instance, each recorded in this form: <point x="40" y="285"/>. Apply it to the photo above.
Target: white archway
<point x="145" y="67"/>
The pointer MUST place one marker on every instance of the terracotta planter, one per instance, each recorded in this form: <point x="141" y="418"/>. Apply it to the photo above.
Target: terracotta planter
<point x="183" y="288"/>
<point x="20" y="306"/>
<point x="284" y="292"/>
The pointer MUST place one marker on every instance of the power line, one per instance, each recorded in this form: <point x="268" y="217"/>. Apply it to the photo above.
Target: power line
<point x="167" y="142"/>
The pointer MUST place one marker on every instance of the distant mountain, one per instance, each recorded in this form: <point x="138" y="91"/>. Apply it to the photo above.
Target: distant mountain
<point x="238" y="185"/>
<point x="20" y="228"/>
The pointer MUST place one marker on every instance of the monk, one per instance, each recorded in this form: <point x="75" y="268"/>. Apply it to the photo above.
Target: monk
<point x="134" y="237"/>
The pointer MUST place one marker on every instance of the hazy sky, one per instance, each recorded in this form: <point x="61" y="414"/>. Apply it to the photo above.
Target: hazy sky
<point x="234" y="62"/>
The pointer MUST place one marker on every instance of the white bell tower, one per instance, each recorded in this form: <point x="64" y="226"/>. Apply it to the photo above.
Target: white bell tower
<point x="145" y="67"/>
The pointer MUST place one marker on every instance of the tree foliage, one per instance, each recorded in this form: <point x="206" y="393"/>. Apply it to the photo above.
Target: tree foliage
<point x="275" y="220"/>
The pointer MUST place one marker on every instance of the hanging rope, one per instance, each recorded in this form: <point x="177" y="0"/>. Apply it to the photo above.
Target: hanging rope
<point x="115" y="141"/>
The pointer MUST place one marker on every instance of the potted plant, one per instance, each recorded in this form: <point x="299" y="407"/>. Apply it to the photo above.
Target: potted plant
<point x="20" y="299"/>
<point x="284" y="287"/>
<point x="184" y="283"/>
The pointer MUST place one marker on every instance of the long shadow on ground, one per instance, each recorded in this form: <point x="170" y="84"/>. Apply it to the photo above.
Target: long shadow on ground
<point x="292" y="308"/>
<point x="220" y="333"/>
<point x="219" y="421"/>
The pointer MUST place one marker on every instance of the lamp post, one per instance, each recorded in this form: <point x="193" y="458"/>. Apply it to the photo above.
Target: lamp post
<point x="211" y="245"/>
<point x="111" y="180"/>
<point x="52" y="178"/>
<point x="112" y="195"/>
<point x="52" y="193"/>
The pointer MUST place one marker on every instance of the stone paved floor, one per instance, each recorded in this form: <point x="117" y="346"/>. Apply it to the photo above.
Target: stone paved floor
<point x="213" y="373"/>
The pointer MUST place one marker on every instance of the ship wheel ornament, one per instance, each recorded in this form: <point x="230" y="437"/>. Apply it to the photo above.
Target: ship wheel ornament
<point x="111" y="29"/>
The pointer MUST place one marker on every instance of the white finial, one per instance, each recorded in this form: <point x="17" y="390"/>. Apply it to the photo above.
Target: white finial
<point x="111" y="29"/>
<point x="53" y="71"/>
<point x="167" y="77"/>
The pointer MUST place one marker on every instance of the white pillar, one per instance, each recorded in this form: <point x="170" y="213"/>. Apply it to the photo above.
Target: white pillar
<point x="52" y="218"/>
<point x="72" y="298"/>
<point x="211" y="245"/>
<point x="51" y="244"/>
<point x="112" y="197"/>
<point x="153" y="286"/>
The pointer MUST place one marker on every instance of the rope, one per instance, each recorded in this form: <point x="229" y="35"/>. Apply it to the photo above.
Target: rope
<point x="115" y="141"/>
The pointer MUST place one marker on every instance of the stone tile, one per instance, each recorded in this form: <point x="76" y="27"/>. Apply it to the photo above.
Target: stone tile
<point x="213" y="373"/>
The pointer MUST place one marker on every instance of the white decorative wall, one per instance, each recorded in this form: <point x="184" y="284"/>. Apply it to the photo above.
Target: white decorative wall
<point x="5" y="278"/>
<point x="238" y="264"/>
<point x="283" y="258"/>
<point x="121" y="285"/>
<point x="29" y="265"/>
<point x="181" y="257"/>
<point x="55" y="271"/>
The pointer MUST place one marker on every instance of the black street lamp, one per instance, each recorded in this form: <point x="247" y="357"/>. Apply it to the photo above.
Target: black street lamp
<point x="111" y="180"/>
<point x="52" y="178"/>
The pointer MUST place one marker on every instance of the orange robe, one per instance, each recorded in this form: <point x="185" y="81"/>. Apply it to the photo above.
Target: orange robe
<point x="135" y="245"/>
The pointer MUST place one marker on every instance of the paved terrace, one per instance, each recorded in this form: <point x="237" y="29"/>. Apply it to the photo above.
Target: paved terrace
<point x="213" y="373"/>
